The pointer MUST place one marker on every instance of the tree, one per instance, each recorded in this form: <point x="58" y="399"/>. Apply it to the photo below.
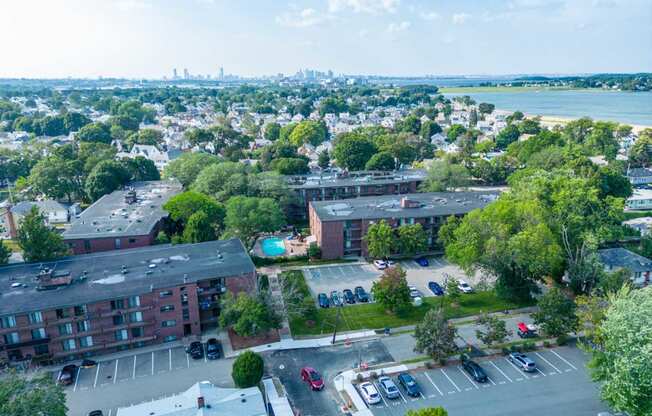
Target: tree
<point x="222" y="180"/>
<point x="507" y="136"/>
<point x="446" y="176"/>
<point x="435" y="336"/>
<point x="186" y="167"/>
<point x="324" y="160"/>
<point x="37" y="240"/>
<point x="57" y="176"/>
<point x="290" y="166"/>
<point x="621" y="360"/>
<point x="453" y="291"/>
<point x="196" y="136"/>
<point x="494" y="329"/>
<point x="247" y="369"/>
<point x="199" y="228"/>
<point x="141" y="169"/>
<point x="5" y="253"/>
<point x="486" y="108"/>
<point x="429" y="129"/>
<point x="312" y="132"/>
<point x="428" y="411"/>
<point x="556" y="314"/>
<point x="106" y="177"/>
<point x="246" y="216"/>
<point x="31" y="396"/>
<point x="392" y="291"/>
<point x="272" y="131"/>
<point x="352" y="151"/>
<point x="379" y="239"/>
<point x="182" y="206"/>
<point x="640" y="154"/>
<point x="95" y="132"/>
<point x="247" y="316"/>
<point x="150" y="137"/>
<point x="412" y="239"/>
<point x="284" y="133"/>
<point x="381" y="161"/>
<point x="455" y="131"/>
<point x="75" y="121"/>
<point x="410" y="124"/>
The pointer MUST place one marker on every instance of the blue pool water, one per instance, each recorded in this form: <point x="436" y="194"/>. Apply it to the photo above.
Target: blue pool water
<point x="273" y="246"/>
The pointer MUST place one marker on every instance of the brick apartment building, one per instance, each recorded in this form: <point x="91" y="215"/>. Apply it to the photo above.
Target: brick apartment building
<point x="340" y="226"/>
<point x="84" y="305"/>
<point x="345" y="185"/>
<point x="123" y="219"/>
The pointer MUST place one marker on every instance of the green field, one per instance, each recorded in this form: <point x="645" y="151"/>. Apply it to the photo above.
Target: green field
<point x="372" y="315"/>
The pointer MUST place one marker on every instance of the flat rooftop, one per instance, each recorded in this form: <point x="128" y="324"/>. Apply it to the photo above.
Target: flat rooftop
<point x="354" y="179"/>
<point x="431" y="204"/>
<point x="112" y="216"/>
<point x="99" y="277"/>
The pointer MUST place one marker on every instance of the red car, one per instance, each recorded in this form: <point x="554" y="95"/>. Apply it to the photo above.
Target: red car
<point x="312" y="377"/>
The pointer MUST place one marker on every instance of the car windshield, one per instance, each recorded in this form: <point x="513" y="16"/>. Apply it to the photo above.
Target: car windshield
<point x="314" y="376"/>
<point x="410" y="383"/>
<point x="464" y="285"/>
<point x="391" y="388"/>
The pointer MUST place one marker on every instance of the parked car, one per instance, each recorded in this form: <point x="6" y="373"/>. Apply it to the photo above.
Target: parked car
<point x="380" y="264"/>
<point x="96" y="413"/>
<point x="67" y="375"/>
<point x="322" y="299"/>
<point x="522" y="361"/>
<point x="409" y="384"/>
<point x="526" y="331"/>
<point x="312" y="377"/>
<point x="213" y="349"/>
<point x="414" y="292"/>
<point x="196" y="350"/>
<point x="436" y="288"/>
<point x="360" y="294"/>
<point x="474" y="371"/>
<point x="388" y="387"/>
<point x="369" y="393"/>
<point x="348" y="296"/>
<point x="86" y="363"/>
<point x="390" y="263"/>
<point x="335" y="298"/>
<point x="464" y="287"/>
<point x="422" y="261"/>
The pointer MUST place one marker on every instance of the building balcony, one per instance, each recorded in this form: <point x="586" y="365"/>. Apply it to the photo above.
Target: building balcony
<point x="30" y="343"/>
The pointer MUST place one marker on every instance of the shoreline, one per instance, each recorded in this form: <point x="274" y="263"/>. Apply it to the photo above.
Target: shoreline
<point x="551" y="121"/>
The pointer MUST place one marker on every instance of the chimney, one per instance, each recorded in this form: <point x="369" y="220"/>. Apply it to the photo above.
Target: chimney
<point x="200" y="402"/>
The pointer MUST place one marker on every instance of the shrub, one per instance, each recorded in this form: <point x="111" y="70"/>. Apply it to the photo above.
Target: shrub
<point x="263" y="282"/>
<point x="546" y="344"/>
<point x="373" y="375"/>
<point x="247" y="369"/>
<point x="562" y="339"/>
<point x="314" y="252"/>
<point x="360" y="378"/>
<point x="529" y="346"/>
<point x="296" y="296"/>
<point x="429" y="365"/>
<point x="505" y="351"/>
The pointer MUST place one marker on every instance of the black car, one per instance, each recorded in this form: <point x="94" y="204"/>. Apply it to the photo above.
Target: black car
<point x="67" y="375"/>
<point x="436" y="288"/>
<point x="196" y="350"/>
<point x="86" y="363"/>
<point x="360" y="294"/>
<point x="96" y="413"/>
<point x="409" y="384"/>
<point x="475" y="371"/>
<point x="348" y="296"/>
<point x="213" y="349"/>
<point x="323" y="300"/>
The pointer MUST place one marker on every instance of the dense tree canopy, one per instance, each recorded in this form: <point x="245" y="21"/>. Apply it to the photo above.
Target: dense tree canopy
<point x="37" y="240"/>
<point x="352" y="151"/>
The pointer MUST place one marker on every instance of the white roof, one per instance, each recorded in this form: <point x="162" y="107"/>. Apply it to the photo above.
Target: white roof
<point x="641" y="194"/>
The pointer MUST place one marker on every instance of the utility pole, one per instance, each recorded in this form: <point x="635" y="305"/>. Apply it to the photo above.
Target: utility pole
<point x="337" y="321"/>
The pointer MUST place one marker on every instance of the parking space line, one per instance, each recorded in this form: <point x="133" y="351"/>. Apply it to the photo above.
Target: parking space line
<point x="76" y="378"/>
<point x="401" y="394"/>
<point x="517" y="369"/>
<point x="152" y="362"/>
<point x="97" y="373"/>
<point x="540" y="356"/>
<point x="187" y="361"/>
<point x="490" y="380"/>
<point x="170" y="358"/>
<point x="433" y="383"/>
<point x="449" y="379"/>
<point x="542" y="373"/>
<point x="563" y="359"/>
<point x="110" y="412"/>
<point x="134" y="373"/>
<point x="501" y="371"/>
<point x="380" y="394"/>
<point x="467" y="376"/>
<point x="115" y="373"/>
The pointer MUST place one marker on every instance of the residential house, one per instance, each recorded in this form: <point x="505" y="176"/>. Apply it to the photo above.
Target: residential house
<point x="641" y="199"/>
<point x="619" y="258"/>
<point x="639" y="176"/>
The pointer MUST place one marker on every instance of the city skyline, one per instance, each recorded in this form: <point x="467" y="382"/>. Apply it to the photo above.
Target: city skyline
<point x="147" y="38"/>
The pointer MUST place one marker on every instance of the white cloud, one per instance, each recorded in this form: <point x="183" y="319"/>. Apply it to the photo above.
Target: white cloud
<point x="364" y="6"/>
<point x="429" y="15"/>
<point x="398" y="27"/>
<point x="460" y="18"/>
<point x="301" y="18"/>
<point x="131" y="5"/>
<point x="363" y="33"/>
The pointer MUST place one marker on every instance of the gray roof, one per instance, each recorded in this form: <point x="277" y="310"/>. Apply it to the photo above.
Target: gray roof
<point x="48" y="205"/>
<point x="148" y="268"/>
<point x="622" y="258"/>
<point x="111" y="216"/>
<point x="330" y="180"/>
<point x="430" y="204"/>
<point x="639" y="172"/>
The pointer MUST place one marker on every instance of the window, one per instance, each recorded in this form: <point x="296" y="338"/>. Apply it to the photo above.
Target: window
<point x="69" y="344"/>
<point x="39" y="333"/>
<point x="168" y="323"/>
<point x="118" y="243"/>
<point x="80" y="310"/>
<point x="167" y="308"/>
<point x="12" y="338"/>
<point x="134" y="301"/>
<point x="8" y="321"/>
<point x="132" y="240"/>
<point x="62" y="313"/>
<point x="121" y="335"/>
<point x="87" y="245"/>
<point x="136" y="317"/>
<point x="170" y="338"/>
<point x="186" y="314"/>
<point x="165" y="293"/>
<point x="35" y="317"/>
<point x="85" y="342"/>
<point x="41" y="349"/>
<point x="184" y="299"/>
<point x="117" y="304"/>
<point x="65" y="329"/>
<point x="137" y="332"/>
<point x="118" y="320"/>
<point x="83" y="326"/>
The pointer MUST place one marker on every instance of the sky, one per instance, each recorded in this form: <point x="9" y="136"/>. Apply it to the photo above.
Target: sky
<point x="148" y="38"/>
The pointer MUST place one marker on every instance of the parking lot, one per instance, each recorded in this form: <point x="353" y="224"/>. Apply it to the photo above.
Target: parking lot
<point x="347" y="276"/>
<point x="559" y="386"/>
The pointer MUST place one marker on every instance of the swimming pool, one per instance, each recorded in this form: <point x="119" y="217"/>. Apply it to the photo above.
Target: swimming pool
<point x="273" y="246"/>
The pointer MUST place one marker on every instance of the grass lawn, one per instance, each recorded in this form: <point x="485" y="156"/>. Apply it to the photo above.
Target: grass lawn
<point x="372" y="315"/>
<point x="630" y="215"/>
<point x="12" y="245"/>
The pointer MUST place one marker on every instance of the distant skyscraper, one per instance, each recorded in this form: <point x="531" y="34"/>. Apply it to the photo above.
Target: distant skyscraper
<point x="174" y="74"/>
<point x="221" y="76"/>
<point x="330" y="74"/>
<point x="186" y="75"/>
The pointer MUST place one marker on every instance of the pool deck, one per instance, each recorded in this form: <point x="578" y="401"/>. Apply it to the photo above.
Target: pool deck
<point x="292" y="247"/>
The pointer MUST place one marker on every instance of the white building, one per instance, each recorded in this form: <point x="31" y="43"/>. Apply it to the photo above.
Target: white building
<point x="643" y="224"/>
<point x="160" y="158"/>
<point x="640" y="200"/>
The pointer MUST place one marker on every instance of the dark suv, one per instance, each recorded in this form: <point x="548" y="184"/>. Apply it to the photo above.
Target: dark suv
<point x="475" y="371"/>
<point x="213" y="349"/>
<point x="196" y="350"/>
<point x="360" y="294"/>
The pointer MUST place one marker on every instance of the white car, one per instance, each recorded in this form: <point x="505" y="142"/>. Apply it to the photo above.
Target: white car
<point x="414" y="292"/>
<point x="464" y="287"/>
<point x="369" y="393"/>
<point x="380" y="264"/>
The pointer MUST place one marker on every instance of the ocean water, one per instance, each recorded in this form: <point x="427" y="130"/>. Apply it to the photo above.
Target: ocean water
<point x="621" y="106"/>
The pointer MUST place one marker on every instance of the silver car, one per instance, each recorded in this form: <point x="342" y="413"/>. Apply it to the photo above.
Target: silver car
<point x="523" y="362"/>
<point x="388" y="387"/>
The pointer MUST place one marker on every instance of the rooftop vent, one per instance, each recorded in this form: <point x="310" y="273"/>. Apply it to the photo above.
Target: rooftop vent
<point x="130" y="196"/>
<point x="408" y="203"/>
